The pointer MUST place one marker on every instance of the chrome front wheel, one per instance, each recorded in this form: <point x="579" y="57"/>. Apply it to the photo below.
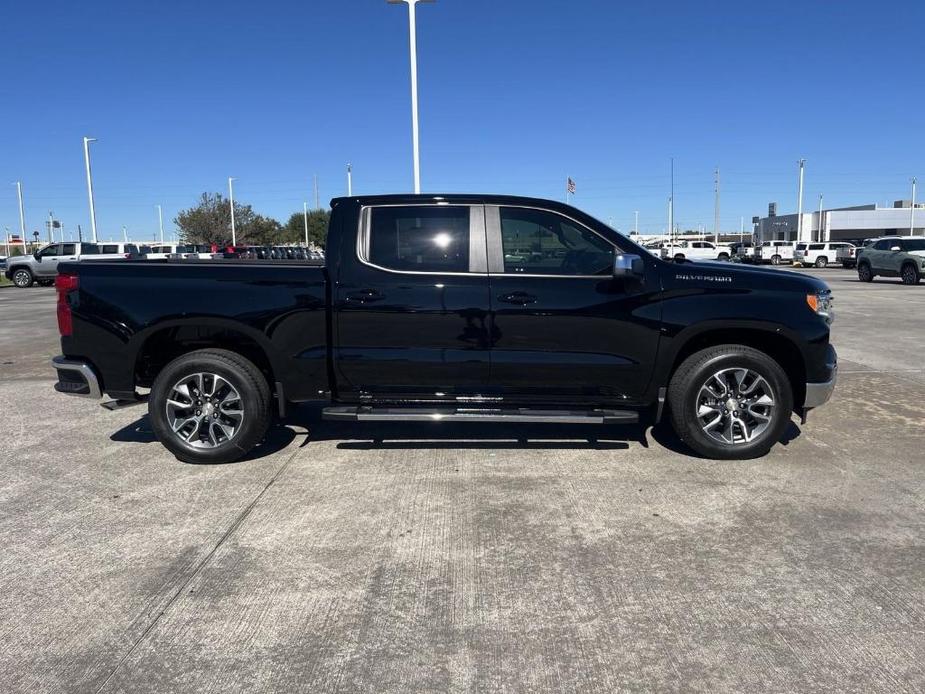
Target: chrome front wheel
<point x="735" y="406"/>
<point x="204" y="410"/>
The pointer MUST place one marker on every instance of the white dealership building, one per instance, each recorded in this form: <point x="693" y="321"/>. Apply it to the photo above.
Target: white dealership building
<point x="845" y="223"/>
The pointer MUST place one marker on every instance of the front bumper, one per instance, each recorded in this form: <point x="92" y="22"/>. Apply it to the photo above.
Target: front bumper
<point x="76" y="378"/>
<point x="818" y="394"/>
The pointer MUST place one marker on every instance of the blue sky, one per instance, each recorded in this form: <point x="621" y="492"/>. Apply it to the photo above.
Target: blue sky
<point x="515" y="95"/>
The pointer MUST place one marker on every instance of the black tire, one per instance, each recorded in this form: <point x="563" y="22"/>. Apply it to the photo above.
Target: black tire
<point x="723" y="256"/>
<point x="775" y="260"/>
<point x="822" y="261"/>
<point x="865" y="274"/>
<point x="22" y="277"/>
<point x="910" y="274"/>
<point x="679" y="257"/>
<point x="696" y="370"/>
<point x="241" y="375"/>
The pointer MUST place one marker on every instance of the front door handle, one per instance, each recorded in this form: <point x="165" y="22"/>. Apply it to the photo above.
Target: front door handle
<point x="365" y="296"/>
<point x="519" y="298"/>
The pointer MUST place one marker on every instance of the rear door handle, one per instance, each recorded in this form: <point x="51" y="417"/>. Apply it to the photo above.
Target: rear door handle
<point x="519" y="298"/>
<point x="365" y="296"/>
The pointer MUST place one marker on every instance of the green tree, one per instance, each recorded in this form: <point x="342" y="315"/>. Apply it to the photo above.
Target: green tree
<point x="210" y="221"/>
<point x="294" y="231"/>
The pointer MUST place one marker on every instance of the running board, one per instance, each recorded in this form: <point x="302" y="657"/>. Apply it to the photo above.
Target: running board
<point x="113" y="405"/>
<point x="467" y="414"/>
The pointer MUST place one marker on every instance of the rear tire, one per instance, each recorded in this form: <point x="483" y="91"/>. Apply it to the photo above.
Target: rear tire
<point x="723" y="256"/>
<point x="22" y="278"/>
<point x="865" y="274"/>
<point x="910" y="274"/>
<point x="214" y="381"/>
<point x="822" y="261"/>
<point x="679" y="258"/>
<point x="775" y="260"/>
<point x="752" y="412"/>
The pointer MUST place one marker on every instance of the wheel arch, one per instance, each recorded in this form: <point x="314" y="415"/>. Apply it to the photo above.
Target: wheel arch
<point x="774" y="341"/>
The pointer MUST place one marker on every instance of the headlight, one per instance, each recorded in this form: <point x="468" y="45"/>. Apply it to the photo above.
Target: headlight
<point x="822" y="304"/>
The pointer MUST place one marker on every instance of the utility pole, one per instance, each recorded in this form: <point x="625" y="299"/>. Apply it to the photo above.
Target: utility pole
<point x="800" y="204"/>
<point x="305" y="219"/>
<point x="349" y="180"/>
<point x="317" y="201"/>
<point x="912" y="210"/>
<point x="412" y="37"/>
<point x="87" y="141"/>
<point x="741" y="229"/>
<point x="234" y="239"/>
<point x="160" y="222"/>
<point x="716" y="206"/>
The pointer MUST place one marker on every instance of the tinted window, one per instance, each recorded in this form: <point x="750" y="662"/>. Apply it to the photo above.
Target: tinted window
<point x="801" y="246"/>
<point x="816" y="246"/>
<point x="420" y="239"/>
<point x="913" y="245"/>
<point x="109" y="248"/>
<point x="89" y="249"/>
<point x="50" y="251"/>
<point x="544" y="243"/>
<point x="69" y="249"/>
<point x="883" y="245"/>
<point x="131" y="248"/>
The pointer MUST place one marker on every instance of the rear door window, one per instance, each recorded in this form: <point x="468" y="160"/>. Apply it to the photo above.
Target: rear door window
<point x="913" y="245"/>
<point x="419" y="238"/>
<point x="69" y="249"/>
<point x="109" y="248"/>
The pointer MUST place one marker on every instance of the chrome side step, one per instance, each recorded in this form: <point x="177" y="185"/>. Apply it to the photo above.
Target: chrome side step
<point x="113" y="405"/>
<point x="471" y="414"/>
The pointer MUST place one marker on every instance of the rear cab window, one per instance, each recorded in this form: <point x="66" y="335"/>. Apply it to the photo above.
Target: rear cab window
<point x="417" y="238"/>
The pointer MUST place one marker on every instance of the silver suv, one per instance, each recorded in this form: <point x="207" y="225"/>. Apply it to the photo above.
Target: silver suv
<point x="42" y="266"/>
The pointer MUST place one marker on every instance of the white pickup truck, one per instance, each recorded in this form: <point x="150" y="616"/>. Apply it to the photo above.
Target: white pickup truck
<point x="694" y="250"/>
<point x="823" y="254"/>
<point x="775" y="252"/>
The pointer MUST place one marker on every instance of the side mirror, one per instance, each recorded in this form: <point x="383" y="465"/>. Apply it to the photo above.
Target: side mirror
<point x="37" y="256"/>
<point x="895" y="248"/>
<point x="627" y="265"/>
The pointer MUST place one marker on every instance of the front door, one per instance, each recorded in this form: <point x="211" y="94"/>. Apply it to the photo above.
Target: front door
<point x="563" y="329"/>
<point x="411" y="304"/>
<point x="48" y="261"/>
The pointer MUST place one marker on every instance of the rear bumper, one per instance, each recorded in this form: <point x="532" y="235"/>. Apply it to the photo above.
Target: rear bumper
<point x="76" y="378"/>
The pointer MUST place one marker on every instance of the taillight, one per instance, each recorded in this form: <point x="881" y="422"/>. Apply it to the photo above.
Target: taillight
<point x="64" y="285"/>
<point x="127" y="255"/>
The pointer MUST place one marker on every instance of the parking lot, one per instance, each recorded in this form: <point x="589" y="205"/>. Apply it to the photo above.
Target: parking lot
<point x="398" y="558"/>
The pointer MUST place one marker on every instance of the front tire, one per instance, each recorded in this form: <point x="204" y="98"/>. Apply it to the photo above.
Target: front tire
<point x="22" y="278"/>
<point x="822" y="261"/>
<point x="910" y="274"/>
<point x="865" y="274"/>
<point x="775" y="260"/>
<point x="730" y="402"/>
<point x="210" y="406"/>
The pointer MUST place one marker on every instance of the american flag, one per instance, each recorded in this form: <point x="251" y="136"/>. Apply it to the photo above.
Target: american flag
<point x="570" y="185"/>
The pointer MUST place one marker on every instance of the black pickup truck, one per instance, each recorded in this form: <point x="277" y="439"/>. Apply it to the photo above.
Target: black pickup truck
<point x="450" y="308"/>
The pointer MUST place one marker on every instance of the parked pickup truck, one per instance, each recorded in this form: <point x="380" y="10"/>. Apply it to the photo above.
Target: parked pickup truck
<point x="42" y="266"/>
<point x="460" y="308"/>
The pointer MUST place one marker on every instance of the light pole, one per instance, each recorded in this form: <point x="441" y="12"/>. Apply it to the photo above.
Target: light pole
<point x="317" y="201"/>
<point x="821" y="238"/>
<point x="231" y="204"/>
<point x="912" y="211"/>
<point x="305" y="220"/>
<point x="160" y="222"/>
<point x="636" y="225"/>
<point x="800" y="204"/>
<point x="22" y="216"/>
<point x="349" y="180"/>
<point x="87" y="141"/>
<point x="412" y="31"/>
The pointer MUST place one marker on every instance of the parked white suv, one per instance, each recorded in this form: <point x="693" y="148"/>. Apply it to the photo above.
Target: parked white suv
<point x="775" y="252"/>
<point x="161" y="251"/>
<point x="821" y="254"/>
<point x="117" y="251"/>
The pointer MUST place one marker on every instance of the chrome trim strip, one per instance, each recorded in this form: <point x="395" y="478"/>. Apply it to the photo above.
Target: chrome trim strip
<point x="369" y="414"/>
<point x="85" y="370"/>
<point x="818" y="394"/>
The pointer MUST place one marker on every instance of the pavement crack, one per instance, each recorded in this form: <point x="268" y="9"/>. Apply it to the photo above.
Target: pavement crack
<point x="235" y="524"/>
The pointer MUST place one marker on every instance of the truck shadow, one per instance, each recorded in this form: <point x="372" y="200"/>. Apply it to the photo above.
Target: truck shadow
<point x="304" y="424"/>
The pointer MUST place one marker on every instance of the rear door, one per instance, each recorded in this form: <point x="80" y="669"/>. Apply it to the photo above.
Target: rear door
<point x="563" y="329"/>
<point x="411" y="304"/>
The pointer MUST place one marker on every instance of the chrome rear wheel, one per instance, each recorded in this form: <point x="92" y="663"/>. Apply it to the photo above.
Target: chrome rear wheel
<point x="204" y="410"/>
